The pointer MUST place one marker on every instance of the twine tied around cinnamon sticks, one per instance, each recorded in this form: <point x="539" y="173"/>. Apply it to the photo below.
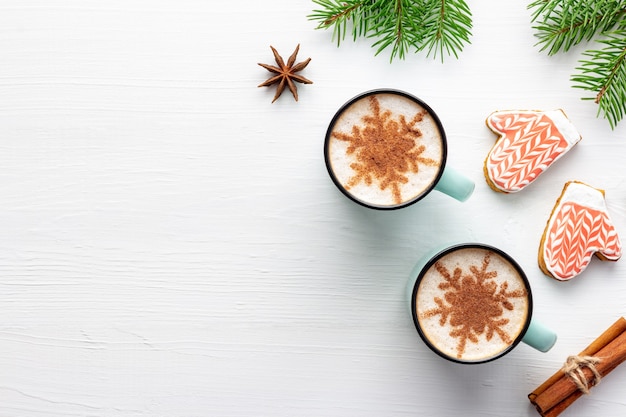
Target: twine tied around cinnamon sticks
<point x="581" y="372"/>
<point x="574" y="369"/>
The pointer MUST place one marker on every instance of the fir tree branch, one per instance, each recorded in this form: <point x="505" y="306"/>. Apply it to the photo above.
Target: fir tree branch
<point x="604" y="72"/>
<point x="561" y="24"/>
<point x="447" y="26"/>
<point x="337" y="14"/>
<point x="400" y="30"/>
<point x="439" y="26"/>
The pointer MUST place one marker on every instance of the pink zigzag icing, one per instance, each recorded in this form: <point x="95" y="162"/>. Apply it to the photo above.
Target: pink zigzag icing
<point x="578" y="228"/>
<point x="529" y="142"/>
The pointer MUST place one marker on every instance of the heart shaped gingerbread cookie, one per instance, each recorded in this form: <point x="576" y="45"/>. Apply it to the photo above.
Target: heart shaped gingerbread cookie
<point x="578" y="228"/>
<point x="528" y="143"/>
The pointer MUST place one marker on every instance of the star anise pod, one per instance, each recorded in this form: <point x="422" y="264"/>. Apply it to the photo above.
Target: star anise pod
<point x="286" y="73"/>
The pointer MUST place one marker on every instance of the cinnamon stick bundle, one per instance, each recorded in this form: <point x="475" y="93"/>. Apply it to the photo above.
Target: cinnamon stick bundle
<point x="558" y="392"/>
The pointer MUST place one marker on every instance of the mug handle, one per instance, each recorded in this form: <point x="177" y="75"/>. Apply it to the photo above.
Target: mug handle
<point x="455" y="184"/>
<point x="539" y="337"/>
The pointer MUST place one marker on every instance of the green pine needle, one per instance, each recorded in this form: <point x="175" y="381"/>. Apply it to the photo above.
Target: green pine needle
<point x="604" y="72"/>
<point x="441" y="27"/>
<point x="562" y="24"/>
<point x="447" y="26"/>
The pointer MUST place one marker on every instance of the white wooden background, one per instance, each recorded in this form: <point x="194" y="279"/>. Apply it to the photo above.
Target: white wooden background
<point x="171" y="244"/>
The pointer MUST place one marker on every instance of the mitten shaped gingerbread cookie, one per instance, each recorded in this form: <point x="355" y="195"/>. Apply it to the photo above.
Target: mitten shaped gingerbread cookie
<point x="578" y="228"/>
<point x="529" y="142"/>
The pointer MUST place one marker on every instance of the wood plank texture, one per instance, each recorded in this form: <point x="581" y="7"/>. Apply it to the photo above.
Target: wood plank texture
<point x="171" y="244"/>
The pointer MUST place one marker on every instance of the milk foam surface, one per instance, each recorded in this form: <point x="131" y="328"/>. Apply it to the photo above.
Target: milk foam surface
<point x="340" y="160"/>
<point x="439" y="335"/>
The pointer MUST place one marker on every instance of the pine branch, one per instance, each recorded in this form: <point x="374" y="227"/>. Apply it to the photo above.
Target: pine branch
<point x="435" y="25"/>
<point x="447" y="26"/>
<point x="604" y="72"/>
<point x="400" y="30"/>
<point x="561" y="24"/>
<point x="337" y="14"/>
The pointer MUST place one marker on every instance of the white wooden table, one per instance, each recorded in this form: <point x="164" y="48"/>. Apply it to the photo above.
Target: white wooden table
<point x="171" y="243"/>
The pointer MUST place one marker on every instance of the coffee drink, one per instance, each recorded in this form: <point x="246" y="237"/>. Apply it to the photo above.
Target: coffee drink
<point x="471" y="304"/>
<point x="385" y="148"/>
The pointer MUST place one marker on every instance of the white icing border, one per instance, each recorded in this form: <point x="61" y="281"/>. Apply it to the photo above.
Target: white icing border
<point x="565" y="126"/>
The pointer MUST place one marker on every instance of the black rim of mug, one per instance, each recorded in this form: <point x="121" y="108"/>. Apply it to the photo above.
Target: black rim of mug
<point x="453" y="248"/>
<point x="358" y="97"/>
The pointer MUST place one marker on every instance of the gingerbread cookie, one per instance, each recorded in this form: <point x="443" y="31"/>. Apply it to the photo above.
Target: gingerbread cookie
<point x="528" y="143"/>
<point x="578" y="228"/>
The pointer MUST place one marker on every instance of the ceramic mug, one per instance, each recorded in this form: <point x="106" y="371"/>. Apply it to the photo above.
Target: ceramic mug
<point x="386" y="149"/>
<point x="472" y="303"/>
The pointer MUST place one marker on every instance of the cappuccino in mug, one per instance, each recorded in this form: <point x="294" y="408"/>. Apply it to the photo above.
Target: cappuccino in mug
<point x="385" y="149"/>
<point x="471" y="303"/>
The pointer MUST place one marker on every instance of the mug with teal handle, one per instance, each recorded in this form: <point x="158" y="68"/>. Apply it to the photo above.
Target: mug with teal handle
<point x="472" y="303"/>
<point x="386" y="149"/>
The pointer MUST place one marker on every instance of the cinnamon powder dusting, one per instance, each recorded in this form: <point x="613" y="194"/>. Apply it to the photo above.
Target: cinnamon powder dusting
<point x="386" y="150"/>
<point x="474" y="304"/>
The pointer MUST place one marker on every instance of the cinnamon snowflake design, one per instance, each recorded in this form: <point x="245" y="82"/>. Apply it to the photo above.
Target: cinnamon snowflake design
<point x="474" y="304"/>
<point x="386" y="149"/>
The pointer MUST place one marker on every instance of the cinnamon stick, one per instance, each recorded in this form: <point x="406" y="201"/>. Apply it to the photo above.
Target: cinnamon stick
<point x="559" y="391"/>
